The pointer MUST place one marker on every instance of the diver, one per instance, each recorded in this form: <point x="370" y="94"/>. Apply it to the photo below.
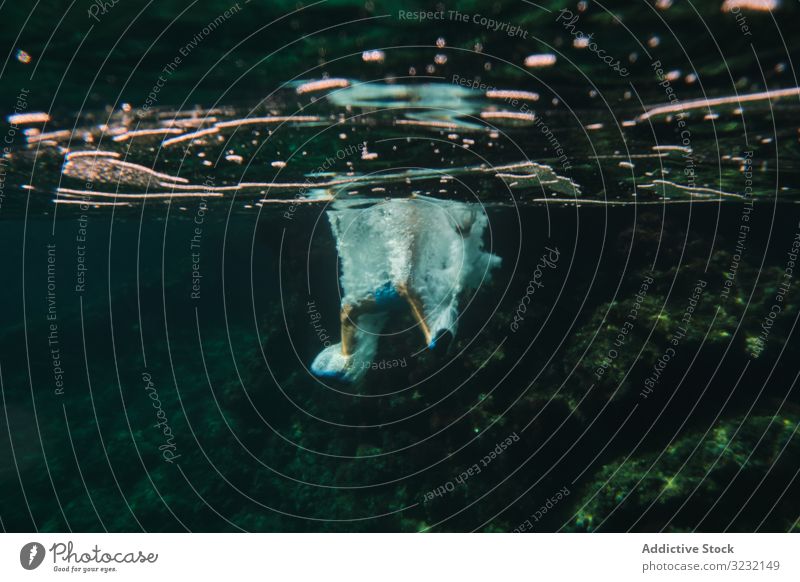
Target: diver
<point x="421" y="254"/>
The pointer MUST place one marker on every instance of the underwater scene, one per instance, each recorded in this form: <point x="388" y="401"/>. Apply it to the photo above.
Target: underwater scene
<point x="381" y="266"/>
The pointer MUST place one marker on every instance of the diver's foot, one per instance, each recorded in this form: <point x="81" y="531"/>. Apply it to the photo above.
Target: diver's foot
<point x="440" y="343"/>
<point x="332" y="363"/>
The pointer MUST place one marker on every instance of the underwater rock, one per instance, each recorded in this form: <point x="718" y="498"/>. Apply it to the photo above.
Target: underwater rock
<point x="728" y="478"/>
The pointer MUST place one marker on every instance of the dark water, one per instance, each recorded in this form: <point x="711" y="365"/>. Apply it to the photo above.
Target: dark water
<point x="164" y="300"/>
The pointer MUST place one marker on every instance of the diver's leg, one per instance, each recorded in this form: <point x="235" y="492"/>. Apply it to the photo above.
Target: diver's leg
<point x="345" y="360"/>
<point x="348" y="317"/>
<point x="348" y="328"/>
<point x="415" y="303"/>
